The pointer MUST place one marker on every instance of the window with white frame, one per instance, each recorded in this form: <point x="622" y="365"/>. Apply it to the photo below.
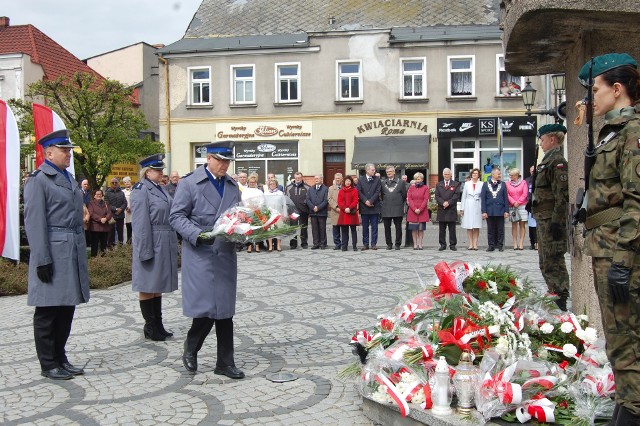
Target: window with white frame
<point x="349" y="80"/>
<point x="461" y="76"/>
<point x="288" y="82"/>
<point x="199" y="86"/>
<point x="243" y="84"/>
<point x="506" y="84"/>
<point x="414" y="78"/>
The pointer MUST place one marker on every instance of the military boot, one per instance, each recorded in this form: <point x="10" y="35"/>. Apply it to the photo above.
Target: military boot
<point x="150" y="327"/>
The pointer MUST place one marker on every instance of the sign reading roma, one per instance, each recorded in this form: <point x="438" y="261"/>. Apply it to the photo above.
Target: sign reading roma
<point x="264" y="130"/>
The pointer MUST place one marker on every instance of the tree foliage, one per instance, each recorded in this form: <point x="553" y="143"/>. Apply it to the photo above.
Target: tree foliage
<point x="102" y="119"/>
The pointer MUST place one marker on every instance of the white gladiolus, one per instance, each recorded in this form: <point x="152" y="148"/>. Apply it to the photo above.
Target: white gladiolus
<point x="569" y="350"/>
<point x="546" y="328"/>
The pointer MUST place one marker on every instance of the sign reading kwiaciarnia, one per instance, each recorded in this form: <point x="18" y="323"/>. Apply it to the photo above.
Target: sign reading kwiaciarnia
<point x="264" y="130"/>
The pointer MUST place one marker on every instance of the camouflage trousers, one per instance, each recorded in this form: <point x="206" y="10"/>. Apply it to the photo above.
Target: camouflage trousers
<point x="621" y="324"/>
<point x="551" y="258"/>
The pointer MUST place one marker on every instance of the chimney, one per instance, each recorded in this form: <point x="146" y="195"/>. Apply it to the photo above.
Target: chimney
<point x="4" y="21"/>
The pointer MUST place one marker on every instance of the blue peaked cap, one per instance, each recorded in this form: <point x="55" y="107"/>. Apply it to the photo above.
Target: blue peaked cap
<point x="223" y="150"/>
<point x="59" y="138"/>
<point x="153" y="162"/>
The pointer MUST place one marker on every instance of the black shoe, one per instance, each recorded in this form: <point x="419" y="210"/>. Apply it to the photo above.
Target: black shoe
<point x="71" y="369"/>
<point x="337" y="248"/>
<point x="501" y="249"/>
<point x="57" y="373"/>
<point x="374" y="248"/>
<point x="532" y="247"/>
<point x="304" y="246"/>
<point x="344" y="248"/>
<point x="315" y="247"/>
<point x="355" y="248"/>
<point x="389" y="247"/>
<point x="189" y="360"/>
<point x="453" y="248"/>
<point x="490" y="249"/>
<point x="397" y="247"/>
<point x="323" y="247"/>
<point x="231" y="372"/>
<point x="364" y="248"/>
<point x="442" y="248"/>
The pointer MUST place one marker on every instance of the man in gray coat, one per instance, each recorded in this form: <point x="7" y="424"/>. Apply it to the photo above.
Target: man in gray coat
<point x="209" y="266"/>
<point x="58" y="273"/>
<point x="394" y="195"/>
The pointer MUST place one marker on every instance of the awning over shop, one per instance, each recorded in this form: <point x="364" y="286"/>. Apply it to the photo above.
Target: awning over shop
<point x="407" y="151"/>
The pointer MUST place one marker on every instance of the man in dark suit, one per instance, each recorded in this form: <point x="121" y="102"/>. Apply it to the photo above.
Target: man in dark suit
<point x="369" y="188"/>
<point x="495" y="209"/>
<point x="447" y="194"/>
<point x="318" y="201"/>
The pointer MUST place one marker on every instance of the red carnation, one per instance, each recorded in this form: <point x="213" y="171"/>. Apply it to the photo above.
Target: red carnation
<point x="386" y="324"/>
<point x="512" y="282"/>
<point x="509" y="294"/>
<point x="482" y="285"/>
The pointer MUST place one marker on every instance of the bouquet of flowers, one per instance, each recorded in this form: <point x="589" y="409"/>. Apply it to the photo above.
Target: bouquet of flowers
<point x="536" y="362"/>
<point x="256" y="219"/>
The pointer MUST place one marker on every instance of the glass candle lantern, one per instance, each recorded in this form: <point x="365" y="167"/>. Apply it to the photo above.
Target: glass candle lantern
<point x="465" y="381"/>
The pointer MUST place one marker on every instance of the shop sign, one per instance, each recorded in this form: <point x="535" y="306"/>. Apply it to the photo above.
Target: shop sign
<point x="264" y="150"/>
<point x="511" y="126"/>
<point x="121" y="170"/>
<point x="261" y="130"/>
<point x="392" y="126"/>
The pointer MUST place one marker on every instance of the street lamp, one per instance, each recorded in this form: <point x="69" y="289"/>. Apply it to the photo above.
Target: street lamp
<point x="558" y="111"/>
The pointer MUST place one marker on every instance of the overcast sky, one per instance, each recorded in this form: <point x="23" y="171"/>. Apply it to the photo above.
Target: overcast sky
<point x="90" y="27"/>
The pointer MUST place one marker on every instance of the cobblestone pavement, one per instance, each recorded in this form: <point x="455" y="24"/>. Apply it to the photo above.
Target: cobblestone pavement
<point x="296" y="312"/>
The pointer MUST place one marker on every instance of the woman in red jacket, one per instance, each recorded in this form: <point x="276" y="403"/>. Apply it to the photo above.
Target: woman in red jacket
<point x="99" y="224"/>
<point x="348" y="205"/>
<point x="418" y="213"/>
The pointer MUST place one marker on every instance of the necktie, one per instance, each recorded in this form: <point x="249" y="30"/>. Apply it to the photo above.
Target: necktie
<point x="446" y="185"/>
<point x="317" y="187"/>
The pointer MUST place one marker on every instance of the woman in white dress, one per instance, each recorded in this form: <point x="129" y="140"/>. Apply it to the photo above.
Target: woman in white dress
<point x="471" y="209"/>
<point x="274" y="198"/>
<point x="252" y="196"/>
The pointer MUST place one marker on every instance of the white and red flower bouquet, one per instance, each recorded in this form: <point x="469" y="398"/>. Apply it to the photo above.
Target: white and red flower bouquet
<point x="535" y="362"/>
<point x="256" y="219"/>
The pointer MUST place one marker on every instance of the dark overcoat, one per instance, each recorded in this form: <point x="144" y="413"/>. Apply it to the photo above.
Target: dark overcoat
<point x="154" y="267"/>
<point x="394" y="195"/>
<point x="318" y="198"/>
<point x="494" y="206"/>
<point x="209" y="272"/>
<point x="450" y="194"/>
<point x="369" y="191"/>
<point x="53" y="222"/>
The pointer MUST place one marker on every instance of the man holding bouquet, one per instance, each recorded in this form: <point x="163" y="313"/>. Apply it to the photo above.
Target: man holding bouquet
<point x="209" y="265"/>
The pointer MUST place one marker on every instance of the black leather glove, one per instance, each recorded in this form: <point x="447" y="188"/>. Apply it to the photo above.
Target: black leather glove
<point x="45" y="273"/>
<point x="556" y="231"/>
<point x="618" y="279"/>
<point x="205" y="241"/>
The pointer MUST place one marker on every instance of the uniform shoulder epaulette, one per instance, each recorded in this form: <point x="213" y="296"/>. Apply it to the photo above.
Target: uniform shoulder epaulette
<point x="138" y="185"/>
<point x="35" y="172"/>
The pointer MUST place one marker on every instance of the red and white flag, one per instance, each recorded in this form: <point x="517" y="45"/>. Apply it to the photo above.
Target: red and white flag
<point x="45" y="121"/>
<point x="9" y="184"/>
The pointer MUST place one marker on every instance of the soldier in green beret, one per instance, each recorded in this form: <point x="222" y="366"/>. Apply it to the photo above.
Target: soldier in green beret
<point x="613" y="221"/>
<point x="549" y="203"/>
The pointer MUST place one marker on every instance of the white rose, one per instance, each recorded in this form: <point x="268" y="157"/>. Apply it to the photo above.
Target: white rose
<point x="494" y="330"/>
<point x="567" y="327"/>
<point x="546" y="328"/>
<point x="588" y="335"/>
<point x="502" y="347"/>
<point x="569" y="350"/>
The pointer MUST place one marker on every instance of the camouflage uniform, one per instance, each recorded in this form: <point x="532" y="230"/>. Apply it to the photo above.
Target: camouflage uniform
<point x="550" y="200"/>
<point x="613" y="235"/>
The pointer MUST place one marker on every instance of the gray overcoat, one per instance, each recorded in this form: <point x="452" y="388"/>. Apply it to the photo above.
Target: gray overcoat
<point x="209" y="272"/>
<point x="155" y="244"/>
<point x="394" y="195"/>
<point x="53" y="223"/>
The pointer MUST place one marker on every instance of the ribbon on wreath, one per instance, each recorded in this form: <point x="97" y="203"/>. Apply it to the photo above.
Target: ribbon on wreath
<point x="539" y="408"/>
<point x="270" y="221"/>
<point x="507" y="392"/>
<point x="362" y="337"/>
<point x="409" y="312"/>
<point x="601" y="385"/>
<point x="394" y="393"/>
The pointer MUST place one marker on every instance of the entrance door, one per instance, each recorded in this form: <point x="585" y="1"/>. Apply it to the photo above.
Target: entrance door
<point x="334" y="159"/>
<point x="461" y="170"/>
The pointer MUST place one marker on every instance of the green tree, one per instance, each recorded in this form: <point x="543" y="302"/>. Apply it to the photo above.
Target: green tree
<point x="102" y="119"/>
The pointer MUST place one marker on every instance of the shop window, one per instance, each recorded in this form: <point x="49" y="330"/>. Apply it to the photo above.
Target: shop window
<point x="414" y="78"/>
<point x="243" y="88"/>
<point x="199" y="86"/>
<point x="288" y="82"/>
<point x="349" y="81"/>
<point x="461" y="78"/>
<point x="507" y="85"/>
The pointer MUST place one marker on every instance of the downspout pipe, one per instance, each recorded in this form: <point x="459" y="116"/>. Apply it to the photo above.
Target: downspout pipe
<point x="167" y="112"/>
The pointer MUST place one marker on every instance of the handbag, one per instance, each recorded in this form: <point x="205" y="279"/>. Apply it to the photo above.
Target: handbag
<point x="514" y="214"/>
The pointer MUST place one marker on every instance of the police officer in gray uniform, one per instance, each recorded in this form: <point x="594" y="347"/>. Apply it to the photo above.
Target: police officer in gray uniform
<point x="58" y="272"/>
<point x="209" y="266"/>
<point x="155" y="246"/>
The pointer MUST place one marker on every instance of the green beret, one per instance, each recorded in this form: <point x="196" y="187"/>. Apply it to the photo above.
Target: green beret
<point x="551" y="128"/>
<point x="604" y="63"/>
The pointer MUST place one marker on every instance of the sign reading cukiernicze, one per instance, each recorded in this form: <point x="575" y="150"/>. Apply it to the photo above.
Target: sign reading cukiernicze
<point x="264" y="130"/>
